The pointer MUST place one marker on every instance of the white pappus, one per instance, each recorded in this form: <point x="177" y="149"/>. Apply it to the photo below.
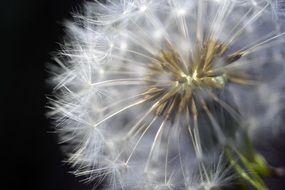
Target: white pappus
<point x="147" y="91"/>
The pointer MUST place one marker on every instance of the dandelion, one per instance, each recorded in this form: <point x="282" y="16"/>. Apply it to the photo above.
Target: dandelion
<point x="146" y="91"/>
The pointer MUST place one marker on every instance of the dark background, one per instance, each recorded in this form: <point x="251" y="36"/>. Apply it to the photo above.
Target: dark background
<point x="30" y="156"/>
<point x="29" y="153"/>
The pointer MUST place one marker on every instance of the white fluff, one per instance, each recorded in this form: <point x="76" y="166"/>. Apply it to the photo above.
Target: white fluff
<point x="110" y="127"/>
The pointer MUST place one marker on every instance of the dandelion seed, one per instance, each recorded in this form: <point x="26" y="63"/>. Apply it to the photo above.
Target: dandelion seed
<point x="145" y="90"/>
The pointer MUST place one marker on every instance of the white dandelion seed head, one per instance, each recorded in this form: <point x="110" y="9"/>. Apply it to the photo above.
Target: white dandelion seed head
<point x="145" y="88"/>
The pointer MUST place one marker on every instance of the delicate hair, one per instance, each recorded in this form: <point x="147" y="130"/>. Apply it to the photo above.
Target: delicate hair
<point x="164" y="94"/>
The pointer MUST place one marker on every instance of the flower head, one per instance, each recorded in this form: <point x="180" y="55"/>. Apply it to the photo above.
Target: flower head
<point x="147" y="89"/>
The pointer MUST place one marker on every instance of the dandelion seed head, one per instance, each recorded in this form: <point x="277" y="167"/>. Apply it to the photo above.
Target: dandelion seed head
<point x="144" y="89"/>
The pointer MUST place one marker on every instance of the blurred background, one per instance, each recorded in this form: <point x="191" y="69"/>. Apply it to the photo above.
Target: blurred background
<point x="30" y="156"/>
